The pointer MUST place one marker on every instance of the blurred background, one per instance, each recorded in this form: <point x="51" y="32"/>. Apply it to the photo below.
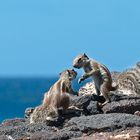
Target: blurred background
<point x="39" y="39"/>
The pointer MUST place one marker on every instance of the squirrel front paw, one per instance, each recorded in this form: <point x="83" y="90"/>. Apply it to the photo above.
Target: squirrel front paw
<point x="80" y="80"/>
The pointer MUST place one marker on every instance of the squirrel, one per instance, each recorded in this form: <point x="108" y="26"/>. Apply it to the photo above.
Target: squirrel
<point x="99" y="72"/>
<point x="57" y="97"/>
<point x="130" y="80"/>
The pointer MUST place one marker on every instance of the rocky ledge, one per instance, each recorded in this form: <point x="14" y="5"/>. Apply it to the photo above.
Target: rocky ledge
<point x="118" y="120"/>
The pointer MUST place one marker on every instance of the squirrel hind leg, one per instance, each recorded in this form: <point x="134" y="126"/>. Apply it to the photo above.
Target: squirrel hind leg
<point x="103" y="104"/>
<point x="105" y="91"/>
<point x="97" y="91"/>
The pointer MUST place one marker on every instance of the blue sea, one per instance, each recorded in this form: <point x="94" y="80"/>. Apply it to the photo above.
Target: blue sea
<point x="17" y="94"/>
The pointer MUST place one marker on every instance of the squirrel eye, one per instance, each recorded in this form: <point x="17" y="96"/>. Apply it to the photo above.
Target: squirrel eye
<point x="68" y="72"/>
<point x="79" y="59"/>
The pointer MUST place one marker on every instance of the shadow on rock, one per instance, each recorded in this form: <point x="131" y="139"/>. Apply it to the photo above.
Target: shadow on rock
<point x="122" y="104"/>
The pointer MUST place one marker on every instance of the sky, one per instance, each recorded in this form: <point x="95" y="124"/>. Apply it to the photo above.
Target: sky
<point x="42" y="37"/>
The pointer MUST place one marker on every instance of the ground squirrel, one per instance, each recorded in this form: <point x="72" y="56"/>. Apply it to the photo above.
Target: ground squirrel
<point x="57" y="97"/>
<point x="99" y="72"/>
<point x="129" y="80"/>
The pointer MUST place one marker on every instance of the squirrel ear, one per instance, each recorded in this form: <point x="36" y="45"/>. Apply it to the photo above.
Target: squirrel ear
<point x="68" y="72"/>
<point x="85" y="55"/>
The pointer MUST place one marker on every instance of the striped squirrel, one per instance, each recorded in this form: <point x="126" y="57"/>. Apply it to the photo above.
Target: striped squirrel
<point x="57" y="97"/>
<point x="99" y="72"/>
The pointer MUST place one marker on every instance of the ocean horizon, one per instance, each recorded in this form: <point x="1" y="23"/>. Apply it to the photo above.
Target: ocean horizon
<point x="17" y="94"/>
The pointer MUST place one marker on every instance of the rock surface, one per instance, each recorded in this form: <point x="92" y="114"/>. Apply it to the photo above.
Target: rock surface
<point x="104" y="122"/>
<point x="129" y="134"/>
<point x="76" y="127"/>
<point x="89" y="122"/>
<point x="118" y="120"/>
<point x="123" y="104"/>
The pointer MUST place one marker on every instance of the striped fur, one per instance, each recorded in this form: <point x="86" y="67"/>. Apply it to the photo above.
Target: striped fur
<point x="99" y="72"/>
<point x="57" y="97"/>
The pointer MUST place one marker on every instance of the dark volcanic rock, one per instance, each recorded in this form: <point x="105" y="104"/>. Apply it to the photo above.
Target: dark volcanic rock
<point x="21" y="129"/>
<point x="117" y="96"/>
<point x="36" y="131"/>
<point x="88" y="122"/>
<point x="73" y="123"/>
<point x="59" y="135"/>
<point x="104" y="122"/>
<point x="88" y="103"/>
<point x="64" y="116"/>
<point x="129" y="134"/>
<point x="120" y="103"/>
<point x="3" y="137"/>
<point x="13" y="122"/>
<point x="93" y="108"/>
<point x="123" y="106"/>
<point x="74" y="128"/>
